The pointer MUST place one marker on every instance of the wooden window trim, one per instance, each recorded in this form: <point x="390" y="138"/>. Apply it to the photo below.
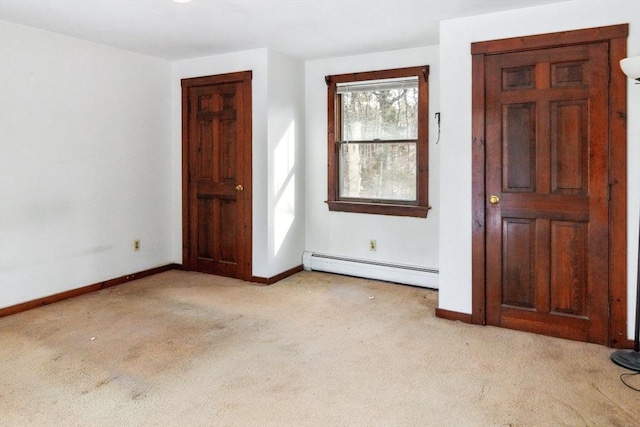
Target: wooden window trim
<point x="335" y="203"/>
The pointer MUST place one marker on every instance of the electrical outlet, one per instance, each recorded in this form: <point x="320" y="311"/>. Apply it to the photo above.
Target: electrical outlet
<point x="136" y="245"/>
<point x="373" y="245"/>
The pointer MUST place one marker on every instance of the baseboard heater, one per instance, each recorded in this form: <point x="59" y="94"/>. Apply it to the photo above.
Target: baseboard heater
<point x="390" y="272"/>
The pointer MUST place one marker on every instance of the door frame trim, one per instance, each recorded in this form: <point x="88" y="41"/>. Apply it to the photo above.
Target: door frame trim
<point x="616" y="36"/>
<point x="245" y="251"/>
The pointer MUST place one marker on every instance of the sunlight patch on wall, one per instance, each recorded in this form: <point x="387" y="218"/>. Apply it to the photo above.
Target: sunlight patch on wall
<point x="284" y="162"/>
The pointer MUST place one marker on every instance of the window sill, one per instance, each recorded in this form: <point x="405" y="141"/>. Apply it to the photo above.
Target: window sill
<point x="379" y="209"/>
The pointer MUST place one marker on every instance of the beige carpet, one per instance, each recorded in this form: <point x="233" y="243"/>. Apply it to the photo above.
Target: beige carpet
<point x="316" y="349"/>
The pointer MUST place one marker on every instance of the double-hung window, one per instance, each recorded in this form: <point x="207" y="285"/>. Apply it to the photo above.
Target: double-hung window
<point x="378" y="148"/>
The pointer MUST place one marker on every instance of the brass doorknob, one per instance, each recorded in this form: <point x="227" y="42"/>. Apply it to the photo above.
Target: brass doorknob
<point x="494" y="200"/>
<point x="239" y="187"/>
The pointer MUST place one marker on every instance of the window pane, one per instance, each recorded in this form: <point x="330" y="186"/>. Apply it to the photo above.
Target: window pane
<point x="385" y="171"/>
<point x="389" y="114"/>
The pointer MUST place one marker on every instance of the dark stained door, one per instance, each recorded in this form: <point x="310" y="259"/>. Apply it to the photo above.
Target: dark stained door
<point x="547" y="191"/>
<point x="217" y="174"/>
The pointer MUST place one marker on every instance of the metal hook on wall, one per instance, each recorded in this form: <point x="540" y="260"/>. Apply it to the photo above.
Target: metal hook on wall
<point x="437" y="117"/>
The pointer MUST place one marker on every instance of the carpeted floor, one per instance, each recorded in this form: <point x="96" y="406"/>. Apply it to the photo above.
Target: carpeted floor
<point x="316" y="349"/>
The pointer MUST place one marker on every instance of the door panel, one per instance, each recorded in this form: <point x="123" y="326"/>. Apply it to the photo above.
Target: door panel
<point x="217" y="150"/>
<point x="569" y="268"/>
<point x="569" y="146"/>
<point x="519" y="154"/>
<point x="547" y="161"/>
<point x="518" y="288"/>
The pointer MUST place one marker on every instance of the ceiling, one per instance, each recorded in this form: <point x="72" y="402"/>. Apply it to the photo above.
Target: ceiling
<point x="305" y="29"/>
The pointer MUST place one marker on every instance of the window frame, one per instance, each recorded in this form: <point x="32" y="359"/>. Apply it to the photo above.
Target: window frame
<point x="420" y="207"/>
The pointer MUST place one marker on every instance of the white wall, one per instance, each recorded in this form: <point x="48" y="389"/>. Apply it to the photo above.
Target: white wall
<point x="274" y="106"/>
<point x="456" y="37"/>
<point x="85" y="163"/>
<point x="286" y="163"/>
<point x="402" y="240"/>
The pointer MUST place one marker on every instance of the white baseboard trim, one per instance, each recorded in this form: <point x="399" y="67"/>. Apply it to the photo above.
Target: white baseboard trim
<point x="377" y="270"/>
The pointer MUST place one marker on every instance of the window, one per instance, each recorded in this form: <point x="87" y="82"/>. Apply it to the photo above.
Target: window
<point x="378" y="148"/>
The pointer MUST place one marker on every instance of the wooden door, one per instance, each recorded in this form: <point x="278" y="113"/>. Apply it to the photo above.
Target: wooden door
<point x="547" y="191"/>
<point x="217" y="174"/>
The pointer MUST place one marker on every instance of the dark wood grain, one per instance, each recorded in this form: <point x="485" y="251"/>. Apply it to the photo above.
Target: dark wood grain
<point x="478" y="196"/>
<point x="453" y="315"/>
<point x="535" y="124"/>
<point x="379" y="209"/>
<point x="18" y="308"/>
<point x="277" y="277"/>
<point x="582" y="178"/>
<point x="217" y="158"/>
<point x="518" y="263"/>
<point x="562" y="38"/>
<point x="618" y="195"/>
